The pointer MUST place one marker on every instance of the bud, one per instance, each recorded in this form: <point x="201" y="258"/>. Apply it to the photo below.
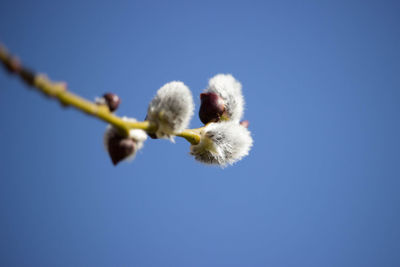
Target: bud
<point x="122" y="147"/>
<point x="171" y="109"/>
<point x="245" y="123"/>
<point x="28" y="76"/>
<point x="13" y="65"/>
<point x="212" y="107"/>
<point x="222" y="143"/>
<point x="230" y="91"/>
<point x="111" y="100"/>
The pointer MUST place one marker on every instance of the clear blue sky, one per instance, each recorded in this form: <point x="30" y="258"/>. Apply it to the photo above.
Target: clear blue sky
<point x="319" y="188"/>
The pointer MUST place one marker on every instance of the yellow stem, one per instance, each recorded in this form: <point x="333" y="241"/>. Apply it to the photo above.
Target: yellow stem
<point x="59" y="91"/>
<point x="191" y="136"/>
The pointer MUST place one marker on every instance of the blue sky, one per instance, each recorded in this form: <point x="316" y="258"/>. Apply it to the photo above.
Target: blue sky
<point x="319" y="188"/>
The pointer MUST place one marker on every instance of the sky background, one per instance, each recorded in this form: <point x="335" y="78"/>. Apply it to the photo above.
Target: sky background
<point x="319" y="188"/>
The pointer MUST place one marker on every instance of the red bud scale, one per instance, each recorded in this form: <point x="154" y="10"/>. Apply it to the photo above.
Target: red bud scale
<point x="212" y="107"/>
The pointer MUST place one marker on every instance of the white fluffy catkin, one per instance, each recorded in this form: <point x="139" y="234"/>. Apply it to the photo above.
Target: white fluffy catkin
<point x="171" y="109"/>
<point x="230" y="90"/>
<point x="222" y="143"/>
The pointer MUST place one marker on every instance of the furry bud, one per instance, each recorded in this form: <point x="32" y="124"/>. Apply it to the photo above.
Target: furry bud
<point x="230" y="90"/>
<point x="212" y="107"/>
<point x="171" y="109"/>
<point x="122" y="147"/>
<point x="222" y="143"/>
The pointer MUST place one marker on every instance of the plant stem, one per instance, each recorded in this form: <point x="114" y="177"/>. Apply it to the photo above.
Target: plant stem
<point x="58" y="90"/>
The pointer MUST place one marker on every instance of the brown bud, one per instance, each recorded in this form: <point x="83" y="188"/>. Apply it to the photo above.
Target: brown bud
<point x="212" y="107"/>
<point x="119" y="148"/>
<point x="28" y="76"/>
<point x="13" y="65"/>
<point x="245" y="123"/>
<point x="112" y="101"/>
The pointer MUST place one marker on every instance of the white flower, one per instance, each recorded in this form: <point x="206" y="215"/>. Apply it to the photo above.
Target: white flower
<point x="222" y="143"/>
<point x="230" y="90"/>
<point x="121" y="147"/>
<point x="171" y="109"/>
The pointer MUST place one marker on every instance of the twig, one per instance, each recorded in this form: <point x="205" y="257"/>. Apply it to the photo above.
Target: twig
<point x="58" y="91"/>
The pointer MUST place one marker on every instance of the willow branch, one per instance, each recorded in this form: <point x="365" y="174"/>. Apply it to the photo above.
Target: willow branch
<point x="58" y="91"/>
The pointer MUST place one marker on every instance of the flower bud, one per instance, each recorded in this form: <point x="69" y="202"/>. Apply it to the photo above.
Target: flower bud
<point x="222" y="143"/>
<point x="245" y="123"/>
<point x="13" y="65"/>
<point x="171" y="109"/>
<point x="122" y="147"/>
<point x="230" y="91"/>
<point x="212" y="107"/>
<point x="27" y="75"/>
<point x="112" y="101"/>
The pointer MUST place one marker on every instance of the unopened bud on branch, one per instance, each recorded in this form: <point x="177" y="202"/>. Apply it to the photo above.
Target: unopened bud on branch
<point x="111" y="100"/>
<point x="13" y="65"/>
<point x="212" y="107"/>
<point x="122" y="147"/>
<point x="245" y="123"/>
<point x="230" y="91"/>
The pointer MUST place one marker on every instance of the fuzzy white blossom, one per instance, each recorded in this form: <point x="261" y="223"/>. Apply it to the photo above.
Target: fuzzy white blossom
<point x="121" y="147"/>
<point x="171" y="109"/>
<point x="222" y="143"/>
<point x="230" y="90"/>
